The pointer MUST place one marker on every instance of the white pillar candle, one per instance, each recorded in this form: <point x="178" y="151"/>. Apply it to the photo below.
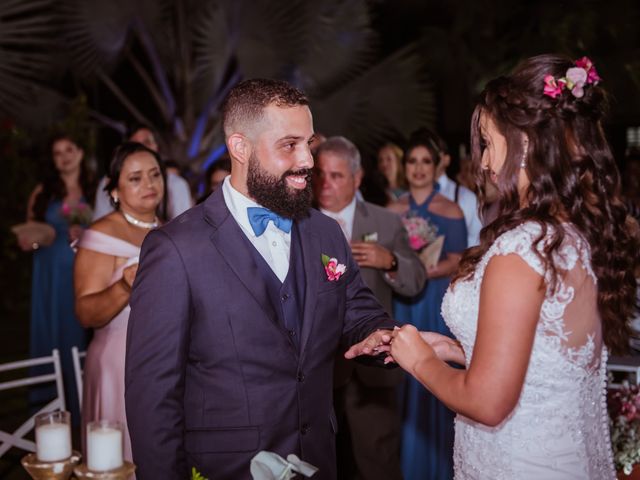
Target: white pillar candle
<point x="53" y="442"/>
<point x="104" y="447"/>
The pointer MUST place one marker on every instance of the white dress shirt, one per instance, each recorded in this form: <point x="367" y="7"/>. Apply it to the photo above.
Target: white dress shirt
<point x="468" y="204"/>
<point x="274" y="245"/>
<point x="344" y="217"/>
<point x="178" y="197"/>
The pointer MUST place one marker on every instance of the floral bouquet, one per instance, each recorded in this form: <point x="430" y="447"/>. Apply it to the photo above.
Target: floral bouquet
<point x="421" y="231"/>
<point x="78" y="214"/>
<point x="423" y="238"/>
<point x="624" y="422"/>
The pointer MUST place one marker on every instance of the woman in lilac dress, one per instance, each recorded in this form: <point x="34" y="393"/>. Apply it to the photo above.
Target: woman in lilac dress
<point x="105" y="268"/>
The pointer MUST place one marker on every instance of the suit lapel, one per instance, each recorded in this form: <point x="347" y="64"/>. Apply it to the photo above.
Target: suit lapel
<point x="361" y="222"/>
<point x="234" y="247"/>
<point x="312" y="258"/>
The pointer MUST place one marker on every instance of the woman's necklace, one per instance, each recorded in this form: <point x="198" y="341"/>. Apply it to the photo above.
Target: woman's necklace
<point x="139" y="223"/>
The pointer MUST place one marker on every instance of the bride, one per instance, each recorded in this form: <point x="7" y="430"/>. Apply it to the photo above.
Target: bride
<point x="538" y="304"/>
<point x="105" y="268"/>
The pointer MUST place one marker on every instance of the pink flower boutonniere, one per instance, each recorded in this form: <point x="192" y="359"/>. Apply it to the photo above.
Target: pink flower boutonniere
<point x="333" y="269"/>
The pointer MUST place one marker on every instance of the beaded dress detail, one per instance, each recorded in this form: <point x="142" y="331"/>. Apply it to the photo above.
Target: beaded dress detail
<point x="559" y="428"/>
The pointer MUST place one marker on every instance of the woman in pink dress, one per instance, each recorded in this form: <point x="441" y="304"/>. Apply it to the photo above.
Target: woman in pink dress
<point x="105" y="268"/>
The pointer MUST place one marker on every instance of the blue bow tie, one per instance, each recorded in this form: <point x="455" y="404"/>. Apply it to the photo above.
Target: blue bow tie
<point x="259" y="219"/>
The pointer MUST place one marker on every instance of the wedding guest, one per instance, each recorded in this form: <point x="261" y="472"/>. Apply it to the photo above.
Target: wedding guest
<point x="178" y="194"/>
<point x="105" y="268"/>
<point x="390" y="164"/>
<point x="427" y="438"/>
<point x="365" y="397"/>
<point x="546" y="295"/>
<point x="456" y="192"/>
<point x="58" y="201"/>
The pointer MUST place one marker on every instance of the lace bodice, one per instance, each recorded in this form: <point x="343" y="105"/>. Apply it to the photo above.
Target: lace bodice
<point x="559" y="428"/>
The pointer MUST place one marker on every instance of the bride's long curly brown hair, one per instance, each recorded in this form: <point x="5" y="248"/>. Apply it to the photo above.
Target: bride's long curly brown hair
<point x="573" y="177"/>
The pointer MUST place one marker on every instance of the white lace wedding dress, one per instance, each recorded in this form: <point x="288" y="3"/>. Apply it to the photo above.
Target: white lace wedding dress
<point x="559" y="428"/>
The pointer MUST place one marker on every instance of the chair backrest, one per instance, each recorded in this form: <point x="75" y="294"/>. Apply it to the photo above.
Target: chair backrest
<point x="16" y="439"/>
<point x="77" y="356"/>
<point x="623" y="369"/>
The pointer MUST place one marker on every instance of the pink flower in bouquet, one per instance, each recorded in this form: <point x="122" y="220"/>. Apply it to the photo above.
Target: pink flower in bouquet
<point x="624" y="422"/>
<point x="629" y="410"/>
<point x="79" y="214"/>
<point x="420" y="231"/>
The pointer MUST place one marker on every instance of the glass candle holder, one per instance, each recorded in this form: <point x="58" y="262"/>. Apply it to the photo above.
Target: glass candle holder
<point x="104" y="445"/>
<point x="53" y="436"/>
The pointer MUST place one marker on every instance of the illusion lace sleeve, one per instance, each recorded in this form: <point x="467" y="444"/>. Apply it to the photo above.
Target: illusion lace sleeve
<point x="559" y="428"/>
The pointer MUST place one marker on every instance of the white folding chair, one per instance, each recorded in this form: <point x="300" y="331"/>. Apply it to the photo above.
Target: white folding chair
<point x="625" y="368"/>
<point x="16" y="439"/>
<point x="77" y="356"/>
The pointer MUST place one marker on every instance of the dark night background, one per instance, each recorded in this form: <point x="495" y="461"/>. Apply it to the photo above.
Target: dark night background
<point x="374" y="70"/>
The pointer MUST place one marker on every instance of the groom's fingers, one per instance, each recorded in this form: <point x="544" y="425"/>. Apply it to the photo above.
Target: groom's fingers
<point x="368" y="346"/>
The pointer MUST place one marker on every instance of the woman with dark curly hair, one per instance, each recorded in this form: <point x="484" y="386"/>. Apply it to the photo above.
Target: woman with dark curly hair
<point x="60" y="204"/>
<point x="547" y="293"/>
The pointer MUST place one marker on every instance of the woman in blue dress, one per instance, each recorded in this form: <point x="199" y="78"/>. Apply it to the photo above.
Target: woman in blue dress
<point x="427" y="437"/>
<point x="60" y="201"/>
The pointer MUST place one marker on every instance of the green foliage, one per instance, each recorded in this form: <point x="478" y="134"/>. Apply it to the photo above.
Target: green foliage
<point x="16" y="182"/>
<point x="196" y="475"/>
<point x="78" y="125"/>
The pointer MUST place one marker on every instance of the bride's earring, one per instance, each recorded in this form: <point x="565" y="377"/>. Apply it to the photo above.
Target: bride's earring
<point x="523" y="160"/>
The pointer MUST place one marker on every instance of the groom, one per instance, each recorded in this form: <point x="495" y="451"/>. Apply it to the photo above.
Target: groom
<point x="235" y="318"/>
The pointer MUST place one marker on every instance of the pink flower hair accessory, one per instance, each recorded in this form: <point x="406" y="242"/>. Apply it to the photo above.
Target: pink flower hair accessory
<point x="584" y="73"/>
<point x="332" y="268"/>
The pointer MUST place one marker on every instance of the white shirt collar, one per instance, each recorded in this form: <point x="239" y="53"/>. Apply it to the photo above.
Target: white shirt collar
<point x="347" y="214"/>
<point x="237" y="203"/>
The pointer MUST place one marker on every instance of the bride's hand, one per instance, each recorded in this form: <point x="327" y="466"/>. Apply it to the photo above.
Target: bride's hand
<point x="409" y="349"/>
<point x="447" y="349"/>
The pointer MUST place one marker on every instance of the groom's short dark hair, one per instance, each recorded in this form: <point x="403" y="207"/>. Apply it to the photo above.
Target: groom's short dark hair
<point x="247" y="100"/>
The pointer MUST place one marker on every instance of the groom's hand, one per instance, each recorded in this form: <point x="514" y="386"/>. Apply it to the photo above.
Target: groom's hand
<point x="375" y="344"/>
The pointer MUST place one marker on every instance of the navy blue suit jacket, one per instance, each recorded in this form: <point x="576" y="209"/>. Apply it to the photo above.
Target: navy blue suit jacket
<point x="212" y="377"/>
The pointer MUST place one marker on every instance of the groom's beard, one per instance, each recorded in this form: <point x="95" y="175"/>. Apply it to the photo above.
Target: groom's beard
<point x="273" y="193"/>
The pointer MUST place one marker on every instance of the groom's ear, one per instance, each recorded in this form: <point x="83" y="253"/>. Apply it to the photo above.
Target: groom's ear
<point x="239" y="147"/>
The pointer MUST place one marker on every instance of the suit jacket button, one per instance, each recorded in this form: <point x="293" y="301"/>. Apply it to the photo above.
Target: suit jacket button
<point x="300" y="377"/>
<point x="305" y="429"/>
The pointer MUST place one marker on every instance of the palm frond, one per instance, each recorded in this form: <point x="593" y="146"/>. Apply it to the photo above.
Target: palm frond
<point x="334" y="45"/>
<point x="371" y="109"/>
<point x="95" y="32"/>
<point x="25" y="35"/>
<point x="213" y="51"/>
<point x="264" y="41"/>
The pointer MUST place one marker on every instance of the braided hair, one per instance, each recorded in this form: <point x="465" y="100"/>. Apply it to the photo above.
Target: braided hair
<point x="573" y="177"/>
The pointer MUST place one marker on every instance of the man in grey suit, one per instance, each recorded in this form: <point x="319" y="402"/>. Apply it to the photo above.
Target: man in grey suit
<point x="365" y="397"/>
